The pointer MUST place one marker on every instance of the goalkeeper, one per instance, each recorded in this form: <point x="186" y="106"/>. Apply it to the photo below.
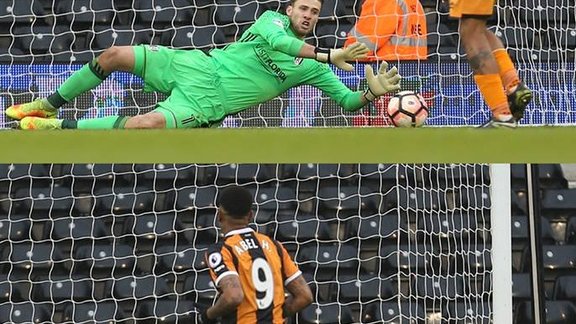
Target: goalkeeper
<point x="202" y="90"/>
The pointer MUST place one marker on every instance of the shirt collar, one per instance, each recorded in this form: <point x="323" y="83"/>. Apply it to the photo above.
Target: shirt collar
<point x="239" y="231"/>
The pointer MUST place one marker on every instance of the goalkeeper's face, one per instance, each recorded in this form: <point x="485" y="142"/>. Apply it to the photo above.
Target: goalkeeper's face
<point x="303" y="15"/>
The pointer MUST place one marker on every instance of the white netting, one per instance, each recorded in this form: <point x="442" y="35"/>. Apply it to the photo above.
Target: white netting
<point x="42" y="42"/>
<point x="376" y="242"/>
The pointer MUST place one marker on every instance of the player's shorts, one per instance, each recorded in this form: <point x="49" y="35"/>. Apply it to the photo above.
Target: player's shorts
<point x="459" y="8"/>
<point x="188" y="78"/>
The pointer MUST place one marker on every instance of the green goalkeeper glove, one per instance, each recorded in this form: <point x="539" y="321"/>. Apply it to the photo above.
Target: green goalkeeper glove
<point x="339" y="56"/>
<point x="384" y="82"/>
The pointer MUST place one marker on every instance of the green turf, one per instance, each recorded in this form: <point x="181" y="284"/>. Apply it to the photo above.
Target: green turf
<point x="278" y="145"/>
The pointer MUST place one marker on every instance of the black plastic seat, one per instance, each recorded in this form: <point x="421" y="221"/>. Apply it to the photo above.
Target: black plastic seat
<point x="362" y="288"/>
<point x="345" y="201"/>
<point x="13" y="290"/>
<point x="22" y="11"/>
<point x="240" y="173"/>
<point x="375" y="228"/>
<point x="325" y="314"/>
<point x="26" y="312"/>
<point x="471" y="312"/>
<point x="134" y="287"/>
<point x="105" y="37"/>
<point x="165" y="13"/>
<point x="521" y="285"/>
<point x="199" y="286"/>
<point x="169" y="310"/>
<point x="43" y="39"/>
<point x="62" y="288"/>
<point x="559" y="202"/>
<point x="557" y="311"/>
<point x="332" y="35"/>
<point x="274" y="198"/>
<point x="92" y="311"/>
<point x="201" y="198"/>
<point x="105" y="259"/>
<point x="125" y="200"/>
<point x="393" y="312"/>
<point x="181" y="259"/>
<point x="328" y="258"/>
<point x="153" y="226"/>
<point x="230" y="12"/>
<point x="87" y="12"/>
<point x="200" y="37"/>
<point x="43" y="202"/>
<point x="15" y="229"/>
<point x="301" y="228"/>
<point x="30" y="256"/>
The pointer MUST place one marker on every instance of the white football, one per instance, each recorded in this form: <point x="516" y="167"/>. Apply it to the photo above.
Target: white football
<point x="407" y="109"/>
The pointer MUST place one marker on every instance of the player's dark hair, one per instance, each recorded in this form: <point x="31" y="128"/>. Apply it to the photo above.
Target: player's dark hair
<point x="236" y="201"/>
<point x="291" y="3"/>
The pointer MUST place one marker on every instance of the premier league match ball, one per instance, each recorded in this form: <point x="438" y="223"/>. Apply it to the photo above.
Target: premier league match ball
<point x="407" y="109"/>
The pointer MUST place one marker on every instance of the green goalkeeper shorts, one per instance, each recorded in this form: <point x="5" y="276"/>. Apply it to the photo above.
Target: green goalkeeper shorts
<point x="188" y="78"/>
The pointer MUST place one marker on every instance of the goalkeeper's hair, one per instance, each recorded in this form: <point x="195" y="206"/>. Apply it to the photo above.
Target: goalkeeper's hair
<point x="236" y="201"/>
<point x="291" y="3"/>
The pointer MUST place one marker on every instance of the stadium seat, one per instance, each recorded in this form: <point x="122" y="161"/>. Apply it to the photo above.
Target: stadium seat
<point x="552" y="176"/>
<point x="275" y="199"/>
<point x="163" y="14"/>
<point x="447" y="225"/>
<point x="103" y="260"/>
<point x="201" y="198"/>
<point x="169" y="310"/>
<point x="328" y="259"/>
<point x="571" y="230"/>
<point x="379" y="177"/>
<point x="105" y="37"/>
<point x="362" y="288"/>
<point x="13" y="290"/>
<point x="154" y="226"/>
<point x="125" y="200"/>
<point x="43" y="39"/>
<point x="68" y="232"/>
<point x="344" y="201"/>
<point x="374" y="228"/>
<point x="14" y="229"/>
<point x="557" y="311"/>
<point x="392" y="312"/>
<point x="180" y="259"/>
<point x="520" y="229"/>
<point x="26" y="312"/>
<point x="200" y="287"/>
<point x="437" y="287"/>
<point x="46" y="202"/>
<point x="300" y="228"/>
<point x="23" y="12"/>
<point x="93" y="311"/>
<point x="149" y="286"/>
<point x="189" y="37"/>
<point x="469" y="312"/>
<point x="233" y="173"/>
<point x="521" y="286"/>
<point x="517" y="37"/>
<point x="559" y="257"/>
<point x="332" y="35"/>
<point x="166" y="176"/>
<point x="415" y="257"/>
<point x="565" y="287"/>
<point x="234" y="12"/>
<point x="326" y="314"/>
<point x="29" y="256"/>
<point x="87" y="12"/>
<point x="62" y="288"/>
<point x="558" y="203"/>
<point x="333" y="10"/>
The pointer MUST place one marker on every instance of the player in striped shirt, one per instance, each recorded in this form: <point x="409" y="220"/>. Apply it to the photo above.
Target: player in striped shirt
<point x="269" y="58"/>
<point x="251" y="270"/>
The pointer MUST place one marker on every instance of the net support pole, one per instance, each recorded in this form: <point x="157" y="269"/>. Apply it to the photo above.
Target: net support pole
<point x="534" y="231"/>
<point x="501" y="218"/>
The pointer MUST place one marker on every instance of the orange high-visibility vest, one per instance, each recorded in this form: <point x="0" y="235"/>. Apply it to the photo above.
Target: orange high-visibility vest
<point x="392" y="29"/>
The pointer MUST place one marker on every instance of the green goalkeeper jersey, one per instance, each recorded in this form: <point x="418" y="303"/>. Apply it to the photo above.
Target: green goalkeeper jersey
<point x="263" y="64"/>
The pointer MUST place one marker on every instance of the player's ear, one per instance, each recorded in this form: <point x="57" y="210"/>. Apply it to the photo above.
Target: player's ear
<point x="250" y="216"/>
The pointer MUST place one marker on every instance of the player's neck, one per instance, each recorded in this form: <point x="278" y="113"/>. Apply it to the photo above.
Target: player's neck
<point x="232" y="227"/>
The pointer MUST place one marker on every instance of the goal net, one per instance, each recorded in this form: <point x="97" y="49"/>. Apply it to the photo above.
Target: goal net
<point x="43" y="41"/>
<point x="376" y="242"/>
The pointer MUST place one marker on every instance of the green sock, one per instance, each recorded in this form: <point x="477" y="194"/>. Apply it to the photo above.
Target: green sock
<point x="88" y="77"/>
<point x="110" y="122"/>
